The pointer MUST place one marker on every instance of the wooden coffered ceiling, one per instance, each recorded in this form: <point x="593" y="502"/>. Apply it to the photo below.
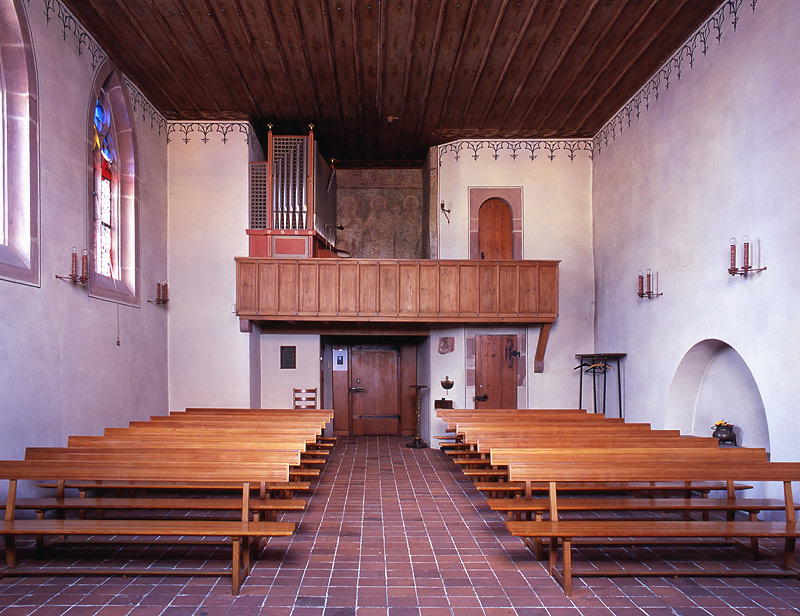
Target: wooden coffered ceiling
<point x="383" y="80"/>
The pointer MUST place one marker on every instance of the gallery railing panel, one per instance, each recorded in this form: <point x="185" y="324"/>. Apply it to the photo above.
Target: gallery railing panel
<point x="422" y="291"/>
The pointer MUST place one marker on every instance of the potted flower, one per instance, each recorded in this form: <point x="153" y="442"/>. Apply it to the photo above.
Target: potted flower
<point x="724" y="432"/>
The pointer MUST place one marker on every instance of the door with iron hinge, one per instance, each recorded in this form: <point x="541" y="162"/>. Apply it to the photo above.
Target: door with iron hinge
<point x="496" y="361"/>
<point x="374" y="390"/>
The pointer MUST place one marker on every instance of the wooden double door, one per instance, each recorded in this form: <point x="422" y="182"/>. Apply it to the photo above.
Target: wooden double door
<point x="374" y="397"/>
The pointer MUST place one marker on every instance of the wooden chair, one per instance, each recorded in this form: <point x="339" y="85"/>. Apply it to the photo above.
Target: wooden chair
<point x="304" y="398"/>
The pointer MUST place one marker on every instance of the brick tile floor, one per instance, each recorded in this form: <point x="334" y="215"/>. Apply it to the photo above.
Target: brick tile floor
<point x="392" y="531"/>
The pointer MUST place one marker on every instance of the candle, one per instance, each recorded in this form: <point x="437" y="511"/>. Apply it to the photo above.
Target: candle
<point x="649" y="282"/>
<point x="74" y="272"/>
<point x="746" y="252"/>
<point x="85" y="265"/>
<point x="733" y="253"/>
<point x="641" y="284"/>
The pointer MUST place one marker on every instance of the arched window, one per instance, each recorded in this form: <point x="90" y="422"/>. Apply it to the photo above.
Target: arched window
<point x="112" y="191"/>
<point x="19" y="138"/>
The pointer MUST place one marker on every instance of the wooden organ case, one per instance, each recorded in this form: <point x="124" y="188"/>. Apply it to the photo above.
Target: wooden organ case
<point x="292" y="200"/>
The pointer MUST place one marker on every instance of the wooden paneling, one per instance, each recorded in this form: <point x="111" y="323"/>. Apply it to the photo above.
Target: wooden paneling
<point x="425" y="291"/>
<point x="446" y="70"/>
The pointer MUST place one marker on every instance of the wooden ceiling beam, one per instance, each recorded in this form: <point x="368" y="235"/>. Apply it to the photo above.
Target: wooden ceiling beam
<point x="677" y="8"/>
<point x="554" y="69"/>
<point x="513" y="53"/>
<point x="122" y="62"/>
<point x="411" y="39"/>
<point x="487" y="50"/>
<point x="579" y="71"/>
<point x="429" y="75"/>
<point x="595" y="74"/>
<point x="454" y="72"/>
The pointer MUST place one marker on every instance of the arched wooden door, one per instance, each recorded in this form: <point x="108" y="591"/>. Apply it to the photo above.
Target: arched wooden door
<point x="494" y="230"/>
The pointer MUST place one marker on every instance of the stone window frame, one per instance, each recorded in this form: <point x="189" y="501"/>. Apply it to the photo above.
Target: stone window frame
<point x="126" y="288"/>
<point x="20" y="212"/>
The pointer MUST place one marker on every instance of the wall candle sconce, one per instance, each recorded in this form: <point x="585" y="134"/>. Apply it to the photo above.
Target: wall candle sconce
<point x="162" y="293"/>
<point x="747" y="253"/>
<point x="647" y="287"/>
<point x="73" y="275"/>
<point x="445" y="211"/>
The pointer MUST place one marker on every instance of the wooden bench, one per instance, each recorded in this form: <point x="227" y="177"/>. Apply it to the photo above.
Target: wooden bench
<point x="240" y="531"/>
<point x="621" y="469"/>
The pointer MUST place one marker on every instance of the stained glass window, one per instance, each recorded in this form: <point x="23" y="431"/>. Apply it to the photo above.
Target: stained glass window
<point x="106" y="210"/>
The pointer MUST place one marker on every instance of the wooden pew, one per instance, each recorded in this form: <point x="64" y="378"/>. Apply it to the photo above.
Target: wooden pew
<point x="617" y="467"/>
<point x="240" y="531"/>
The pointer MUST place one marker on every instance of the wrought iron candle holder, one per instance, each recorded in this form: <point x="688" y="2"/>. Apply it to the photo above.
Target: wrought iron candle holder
<point x="162" y="293"/>
<point x="747" y="253"/>
<point x="73" y="276"/>
<point x="648" y="287"/>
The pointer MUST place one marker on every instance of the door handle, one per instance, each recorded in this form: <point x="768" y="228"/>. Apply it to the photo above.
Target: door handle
<point x="481" y="398"/>
<point x="357" y="390"/>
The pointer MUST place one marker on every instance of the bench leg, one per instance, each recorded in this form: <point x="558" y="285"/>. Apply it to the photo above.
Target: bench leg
<point x="553" y="555"/>
<point x="788" y="556"/>
<point x="11" y="551"/>
<point x="236" y="579"/>
<point x="754" y="540"/>
<point x="39" y="538"/>
<point x="566" y="547"/>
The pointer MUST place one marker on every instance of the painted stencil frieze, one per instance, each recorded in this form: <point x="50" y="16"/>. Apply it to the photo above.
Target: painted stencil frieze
<point x="727" y="15"/>
<point x="533" y="149"/>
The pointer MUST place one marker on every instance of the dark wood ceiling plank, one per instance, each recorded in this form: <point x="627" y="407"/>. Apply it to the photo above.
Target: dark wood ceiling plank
<point x="334" y="137"/>
<point x="299" y="35"/>
<point x="191" y="46"/>
<point x="537" y="33"/>
<point x="432" y="52"/>
<point x="401" y="145"/>
<point x="569" y="30"/>
<point x="399" y="28"/>
<point x="119" y="32"/>
<point x="258" y="76"/>
<point x="224" y="54"/>
<point x="286" y="108"/>
<point x="458" y="115"/>
<point x="426" y="26"/>
<point x="292" y="63"/>
<point x="500" y="54"/>
<point x="368" y="28"/>
<point x="457" y="16"/>
<point x="342" y="37"/>
<point x="629" y="19"/>
<point x="573" y="69"/>
<point x="640" y="55"/>
<point x="466" y="30"/>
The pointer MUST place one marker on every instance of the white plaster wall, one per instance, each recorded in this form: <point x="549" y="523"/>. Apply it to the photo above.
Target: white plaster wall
<point x="432" y="368"/>
<point x="277" y="384"/>
<point x="714" y="157"/>
<point x="557" y="224"/>
<point x="61" y="371"/>
<point x="209" y="357"/>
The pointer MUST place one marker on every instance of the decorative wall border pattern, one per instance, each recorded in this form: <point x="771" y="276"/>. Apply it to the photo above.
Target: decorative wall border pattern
<point x="516" y="146"/>
<point x="70" y="24"/>
<point x="140" y="100"/>
<point x="206" y="128"/>
<point x="712" y="28"/>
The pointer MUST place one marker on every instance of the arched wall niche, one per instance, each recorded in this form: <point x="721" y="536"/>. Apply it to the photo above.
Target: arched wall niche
<point x="712" y="383"/>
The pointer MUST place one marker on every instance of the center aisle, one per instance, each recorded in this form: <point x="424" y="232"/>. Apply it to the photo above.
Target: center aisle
<point x="393" y="527"/>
